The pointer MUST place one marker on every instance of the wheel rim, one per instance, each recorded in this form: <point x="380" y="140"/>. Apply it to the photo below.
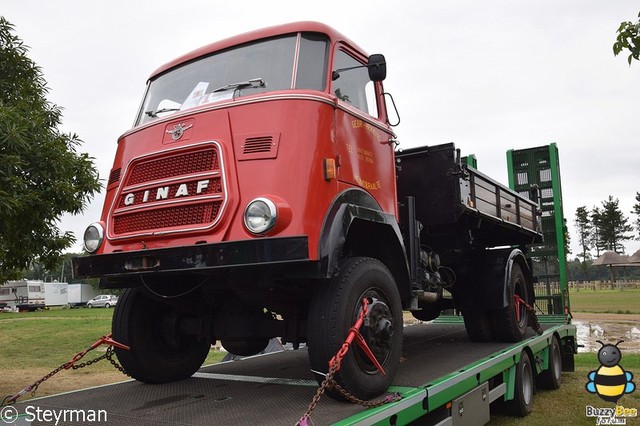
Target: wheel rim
<point x="527" y="383"/>
<point x="378" y="333"/>
<point x="557" y="361"/>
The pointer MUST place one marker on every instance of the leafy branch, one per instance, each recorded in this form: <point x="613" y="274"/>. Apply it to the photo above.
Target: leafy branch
<point x="628" y="39"/>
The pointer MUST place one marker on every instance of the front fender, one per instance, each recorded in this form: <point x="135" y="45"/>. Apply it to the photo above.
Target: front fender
<point x="356" y="225"/>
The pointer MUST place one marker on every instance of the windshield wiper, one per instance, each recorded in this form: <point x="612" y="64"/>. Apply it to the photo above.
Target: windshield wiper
<point x="254" y="82"/>
<point x="154" y="114"/>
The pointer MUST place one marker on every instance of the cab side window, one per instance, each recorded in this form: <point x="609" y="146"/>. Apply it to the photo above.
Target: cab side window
<point x="354" y="86"/>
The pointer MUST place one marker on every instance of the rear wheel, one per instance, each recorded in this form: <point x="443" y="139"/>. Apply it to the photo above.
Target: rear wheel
<point x="335" y="308"/>
<point x="522" y="402"/>
<point x="160" y="351"/>
<point x="510" y="323"/>
<point x="478" y="325"/>
<point x="551" y="377"/>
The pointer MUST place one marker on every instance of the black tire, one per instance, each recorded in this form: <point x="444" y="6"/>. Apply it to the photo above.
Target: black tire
<point x="427" y="312"/>
<point x="107" y="305"/>
<point x="244" y="347"/>
<point x="551" y="378"/>
<point x="89" y="305"/>
<point x="336" y="306"/>
<point x="522" y="402"/>
<point x="478" y="325"/>
<point x="159" y="354"/>
<point x="509" y="326"/>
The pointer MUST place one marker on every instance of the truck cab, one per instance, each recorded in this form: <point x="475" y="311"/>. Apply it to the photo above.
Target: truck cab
<point x="231" y="199"/>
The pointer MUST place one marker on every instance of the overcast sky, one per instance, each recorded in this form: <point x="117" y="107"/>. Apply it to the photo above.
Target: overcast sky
<point x="488" y="75"/>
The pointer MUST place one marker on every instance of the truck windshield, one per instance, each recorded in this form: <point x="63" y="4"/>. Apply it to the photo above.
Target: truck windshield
<point x="261" y="66"/>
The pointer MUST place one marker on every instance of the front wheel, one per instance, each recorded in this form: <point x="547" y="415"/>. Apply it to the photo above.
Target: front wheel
<point x="335" y="308"/>
<point x="160" y="351"/>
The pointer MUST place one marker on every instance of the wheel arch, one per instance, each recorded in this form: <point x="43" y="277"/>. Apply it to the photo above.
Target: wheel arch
<point x="517" y="257"/>
<point x="356" y="225"/>
<point x="483" y="277"/>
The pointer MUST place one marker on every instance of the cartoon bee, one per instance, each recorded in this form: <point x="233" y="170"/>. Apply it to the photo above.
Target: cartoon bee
<point x="610" y="381"/>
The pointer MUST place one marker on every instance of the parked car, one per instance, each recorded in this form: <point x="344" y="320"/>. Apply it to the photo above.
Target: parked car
<point x="106" y="300"/>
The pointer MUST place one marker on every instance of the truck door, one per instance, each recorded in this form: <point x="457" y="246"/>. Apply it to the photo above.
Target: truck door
<point x="364" y="152"/>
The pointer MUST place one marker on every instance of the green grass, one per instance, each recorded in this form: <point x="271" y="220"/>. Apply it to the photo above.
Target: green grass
<point x="606" y="301"/>
<point x="49" y="338"/>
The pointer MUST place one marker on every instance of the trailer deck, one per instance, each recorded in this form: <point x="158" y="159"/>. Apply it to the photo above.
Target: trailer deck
<point x="275" y="389"/>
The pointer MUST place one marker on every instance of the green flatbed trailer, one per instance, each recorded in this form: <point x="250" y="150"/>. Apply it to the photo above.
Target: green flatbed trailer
<point x="444" y="379"/>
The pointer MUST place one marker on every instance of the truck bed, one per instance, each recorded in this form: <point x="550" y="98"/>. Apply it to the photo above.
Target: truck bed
<point x="461" y="207"/>
<point x="276" y="389"/>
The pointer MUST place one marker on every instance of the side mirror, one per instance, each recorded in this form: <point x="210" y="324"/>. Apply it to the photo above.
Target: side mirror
<point x="377" y="67"/>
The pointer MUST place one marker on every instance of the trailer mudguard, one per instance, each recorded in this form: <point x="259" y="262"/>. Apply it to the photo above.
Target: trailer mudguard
<point x="482" y="278"/>
<point x="356" y="225"/>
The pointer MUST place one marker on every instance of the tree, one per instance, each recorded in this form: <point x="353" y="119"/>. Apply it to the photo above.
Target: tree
<point x="596" y="219"/>
<point x="613" y="226"/>
<point x="636" y="211"/>
<point x="584" y="227"/>
<point x="628" y="39"/>
<point x="42" y="176"/>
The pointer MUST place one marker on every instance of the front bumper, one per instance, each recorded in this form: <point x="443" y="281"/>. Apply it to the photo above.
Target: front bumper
<point x="195" y="258"/>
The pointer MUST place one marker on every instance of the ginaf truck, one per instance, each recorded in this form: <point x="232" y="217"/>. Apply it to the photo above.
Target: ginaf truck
<point x="261" y="194"/>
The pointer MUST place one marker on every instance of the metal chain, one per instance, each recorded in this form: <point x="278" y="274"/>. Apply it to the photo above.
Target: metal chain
<point x="390" y="397"/>
<point x="11" y="399"/>
<point x="326" y="384"/>
<point x="329" y="382"/>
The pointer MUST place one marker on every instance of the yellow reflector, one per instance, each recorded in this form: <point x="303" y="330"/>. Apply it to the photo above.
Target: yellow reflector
<point x="329" y="168"/>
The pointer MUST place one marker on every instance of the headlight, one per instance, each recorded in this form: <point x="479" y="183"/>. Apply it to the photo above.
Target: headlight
<point x="93" y="237"/>
<point x="260" y="215"/>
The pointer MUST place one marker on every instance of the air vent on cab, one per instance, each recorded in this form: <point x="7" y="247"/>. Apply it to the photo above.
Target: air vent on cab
<point x="257" y="147"/>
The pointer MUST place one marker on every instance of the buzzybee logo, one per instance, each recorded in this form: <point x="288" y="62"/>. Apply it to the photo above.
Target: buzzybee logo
<point x="610" y="382"/>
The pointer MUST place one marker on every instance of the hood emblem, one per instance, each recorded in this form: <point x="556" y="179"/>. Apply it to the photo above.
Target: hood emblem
<point x="178" y="131"/>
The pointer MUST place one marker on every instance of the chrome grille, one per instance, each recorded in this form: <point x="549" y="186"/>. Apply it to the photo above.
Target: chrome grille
<point x="178" y="165"/>
<point x="170" y="192"/>
<point x="179" y="216"/>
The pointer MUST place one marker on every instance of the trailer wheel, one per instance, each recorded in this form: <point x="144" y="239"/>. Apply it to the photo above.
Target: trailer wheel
<point x="551" y="377"/>
<point x="510" y="323"/>
<point x="478" y="325"/>
<point x="336" y="306"/>
<point x="522" y="402"/>
<point x="159" y="353"/>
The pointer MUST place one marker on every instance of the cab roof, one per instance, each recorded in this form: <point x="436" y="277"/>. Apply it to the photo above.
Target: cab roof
<point x="295" y="27"/>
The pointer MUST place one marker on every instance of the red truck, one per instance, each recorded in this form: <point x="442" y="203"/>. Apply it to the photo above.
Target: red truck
<point x="261" y="193"/>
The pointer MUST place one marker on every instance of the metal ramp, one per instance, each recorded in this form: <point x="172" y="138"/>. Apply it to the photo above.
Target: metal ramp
<point x="540" y="167"/>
